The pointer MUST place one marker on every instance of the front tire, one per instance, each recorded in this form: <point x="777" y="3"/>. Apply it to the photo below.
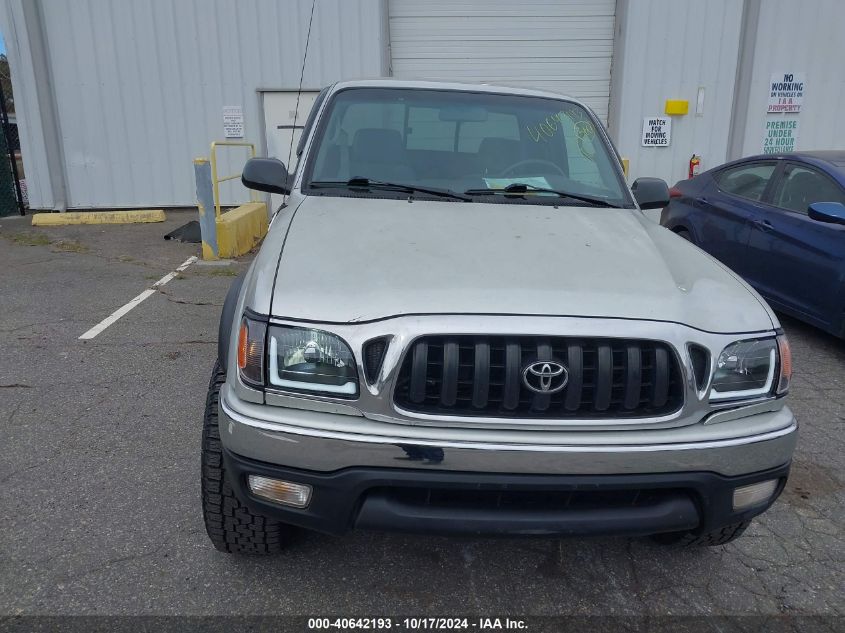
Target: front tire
<point x="231" y="526"/>
<point x="716" y="537"/>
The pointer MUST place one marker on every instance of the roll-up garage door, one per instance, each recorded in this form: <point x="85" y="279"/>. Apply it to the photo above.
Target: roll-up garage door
<point x="560" y="45"/>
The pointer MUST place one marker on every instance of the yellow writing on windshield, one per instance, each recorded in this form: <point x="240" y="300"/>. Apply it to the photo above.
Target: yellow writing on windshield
<point x="581" y="125"/>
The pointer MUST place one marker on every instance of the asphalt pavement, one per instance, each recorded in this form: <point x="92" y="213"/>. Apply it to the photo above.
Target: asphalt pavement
<point x="99" y="475"/>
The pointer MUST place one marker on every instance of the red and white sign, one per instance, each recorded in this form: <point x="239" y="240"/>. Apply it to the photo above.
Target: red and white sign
<point x="786" y="92"/>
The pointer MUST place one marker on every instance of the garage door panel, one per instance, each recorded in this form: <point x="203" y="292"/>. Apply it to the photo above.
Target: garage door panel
<point x="434" y="49"/>
<point x="501" y="8"/>
<point x="564" y="46"/>
<point x="446" y="29"/>
<point x="563" y="70"/>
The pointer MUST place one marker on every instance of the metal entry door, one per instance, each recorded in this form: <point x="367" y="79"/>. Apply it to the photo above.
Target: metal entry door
<point x="283" y="124"/>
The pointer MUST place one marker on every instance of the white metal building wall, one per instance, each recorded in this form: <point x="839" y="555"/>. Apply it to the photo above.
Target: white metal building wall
<point x="560" y="45"/>
<point x="799" y="37"/>
<point x="139" y="86"/>
<point x="668" y="49"/>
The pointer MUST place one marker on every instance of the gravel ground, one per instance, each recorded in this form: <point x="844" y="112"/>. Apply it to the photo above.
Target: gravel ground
<point x="100" y="475"/>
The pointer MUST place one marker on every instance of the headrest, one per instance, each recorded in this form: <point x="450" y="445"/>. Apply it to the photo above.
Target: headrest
<point x="376" y="145"/>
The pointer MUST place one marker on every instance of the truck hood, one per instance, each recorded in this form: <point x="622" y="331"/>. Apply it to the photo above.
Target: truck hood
<point x="359" y="259"/>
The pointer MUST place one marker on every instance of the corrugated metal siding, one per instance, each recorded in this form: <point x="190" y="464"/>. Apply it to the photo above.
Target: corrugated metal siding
<point x="30" y="127"/>
<point x="140" y="86"/>
<point x="800" y="37"/>
<point x="669" y="48"/>
<point x="560" y="45"/>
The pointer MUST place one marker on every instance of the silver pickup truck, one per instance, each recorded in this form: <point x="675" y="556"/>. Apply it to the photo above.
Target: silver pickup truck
<point x="461" y="322"/>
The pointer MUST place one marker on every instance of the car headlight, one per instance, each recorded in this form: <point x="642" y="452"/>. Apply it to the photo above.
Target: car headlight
<point x="749" y="368"/>
<point x="303" y="359"/>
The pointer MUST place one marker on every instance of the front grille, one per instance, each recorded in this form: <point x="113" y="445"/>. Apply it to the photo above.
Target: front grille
<point x="483" y="376"/>
<point x="700" y="358"/>
<point x="526" y="500"/>
<point x="373" y="358"/>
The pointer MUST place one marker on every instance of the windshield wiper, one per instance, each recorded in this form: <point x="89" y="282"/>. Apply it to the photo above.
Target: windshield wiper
<point x="519" y="188"/>
<point x="367" y="183"/>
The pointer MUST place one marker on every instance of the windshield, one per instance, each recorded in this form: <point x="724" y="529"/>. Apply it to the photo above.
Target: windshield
<point x="462" y="142"/>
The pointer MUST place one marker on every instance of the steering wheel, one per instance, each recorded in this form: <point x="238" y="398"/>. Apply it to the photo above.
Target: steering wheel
<point x="529" y="161"/>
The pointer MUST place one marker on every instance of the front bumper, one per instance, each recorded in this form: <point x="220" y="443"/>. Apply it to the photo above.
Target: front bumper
<point x="497" y="504"/>
<point x="373" y="474"/>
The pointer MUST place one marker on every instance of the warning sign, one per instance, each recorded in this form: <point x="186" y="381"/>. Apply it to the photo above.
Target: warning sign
<point x="780" y="135"/>
<point x="233" y="122"/>
<point x="657" y="131"/>
<point x="786" y="92"/>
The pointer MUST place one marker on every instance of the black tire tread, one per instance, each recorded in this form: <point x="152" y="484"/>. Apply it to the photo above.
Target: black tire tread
<point x="231" y="526"/>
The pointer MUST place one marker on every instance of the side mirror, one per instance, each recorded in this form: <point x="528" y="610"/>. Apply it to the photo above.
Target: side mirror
<point x="651" y="193"/>
<point x="832" y="212"/>
<point x="266" y="174"/>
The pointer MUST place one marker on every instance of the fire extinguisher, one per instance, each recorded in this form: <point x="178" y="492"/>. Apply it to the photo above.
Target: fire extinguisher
<point x="694" y="166"/>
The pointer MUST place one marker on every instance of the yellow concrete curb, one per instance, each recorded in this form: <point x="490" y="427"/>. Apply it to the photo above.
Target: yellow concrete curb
<point x="240" y="230"/>
<point x="98" y="217"/>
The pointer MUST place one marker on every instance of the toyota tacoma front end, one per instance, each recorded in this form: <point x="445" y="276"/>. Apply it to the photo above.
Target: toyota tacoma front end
<point x="461" y="322"/>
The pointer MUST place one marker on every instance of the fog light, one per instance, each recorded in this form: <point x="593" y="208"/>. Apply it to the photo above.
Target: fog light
<point x="754" y="494"/>
<point x="284" y="492"/>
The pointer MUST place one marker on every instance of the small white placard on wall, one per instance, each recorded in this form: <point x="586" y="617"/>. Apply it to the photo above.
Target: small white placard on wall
<point x="786" y="92"/>
<point x="233" y="122"/>
<point x="657" y="131"/>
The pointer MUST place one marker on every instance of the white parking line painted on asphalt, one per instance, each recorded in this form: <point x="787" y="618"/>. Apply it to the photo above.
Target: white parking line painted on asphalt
<point x="114" y="316"/>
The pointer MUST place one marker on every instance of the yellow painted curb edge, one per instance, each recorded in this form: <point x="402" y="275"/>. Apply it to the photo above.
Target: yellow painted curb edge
<point x="98" y="217"/>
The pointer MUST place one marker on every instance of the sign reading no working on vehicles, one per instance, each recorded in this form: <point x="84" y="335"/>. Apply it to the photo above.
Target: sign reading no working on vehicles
<point x="780" y="135"/>
<point x="786" y="92"/>
<point x="657" y="131"/>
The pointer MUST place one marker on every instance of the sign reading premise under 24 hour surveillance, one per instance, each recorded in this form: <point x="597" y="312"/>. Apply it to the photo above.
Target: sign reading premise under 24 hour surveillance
<point x="781" y="135"/>
<point x="657" y="131"/>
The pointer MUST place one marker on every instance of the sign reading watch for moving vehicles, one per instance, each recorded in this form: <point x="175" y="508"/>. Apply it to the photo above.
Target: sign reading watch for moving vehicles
<point x="786" y="92"/>
<point x="657" y="131"/>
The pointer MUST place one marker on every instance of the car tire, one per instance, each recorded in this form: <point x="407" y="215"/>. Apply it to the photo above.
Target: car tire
<point x="684" y="234"/>
<point x="709" y="539"/>
<point x="230" y="525"/>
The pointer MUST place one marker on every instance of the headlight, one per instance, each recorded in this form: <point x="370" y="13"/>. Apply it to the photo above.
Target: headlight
<point x="309" y="360"/>
<point x="745" y="369"/>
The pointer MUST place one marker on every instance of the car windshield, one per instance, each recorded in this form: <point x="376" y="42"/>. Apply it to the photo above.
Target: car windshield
<point x="371" y="140"/>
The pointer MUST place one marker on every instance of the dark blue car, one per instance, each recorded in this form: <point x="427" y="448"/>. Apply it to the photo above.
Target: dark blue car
<point x="777" y="220"/>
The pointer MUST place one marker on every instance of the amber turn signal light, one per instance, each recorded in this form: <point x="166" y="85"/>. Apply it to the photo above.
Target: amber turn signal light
<point x="251" y="352"/>
<point x="785" y="354"/>
<point x="242" y="342"/>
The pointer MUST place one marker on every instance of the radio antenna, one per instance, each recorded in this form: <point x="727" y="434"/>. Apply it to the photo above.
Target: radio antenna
<point x="301" y="75"/>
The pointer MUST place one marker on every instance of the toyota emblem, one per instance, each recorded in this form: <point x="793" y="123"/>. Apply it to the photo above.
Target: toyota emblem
<point x="545" y="376"/>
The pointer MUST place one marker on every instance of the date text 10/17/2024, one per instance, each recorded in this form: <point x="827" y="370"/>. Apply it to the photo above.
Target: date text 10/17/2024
<point x="416" y="624"/>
